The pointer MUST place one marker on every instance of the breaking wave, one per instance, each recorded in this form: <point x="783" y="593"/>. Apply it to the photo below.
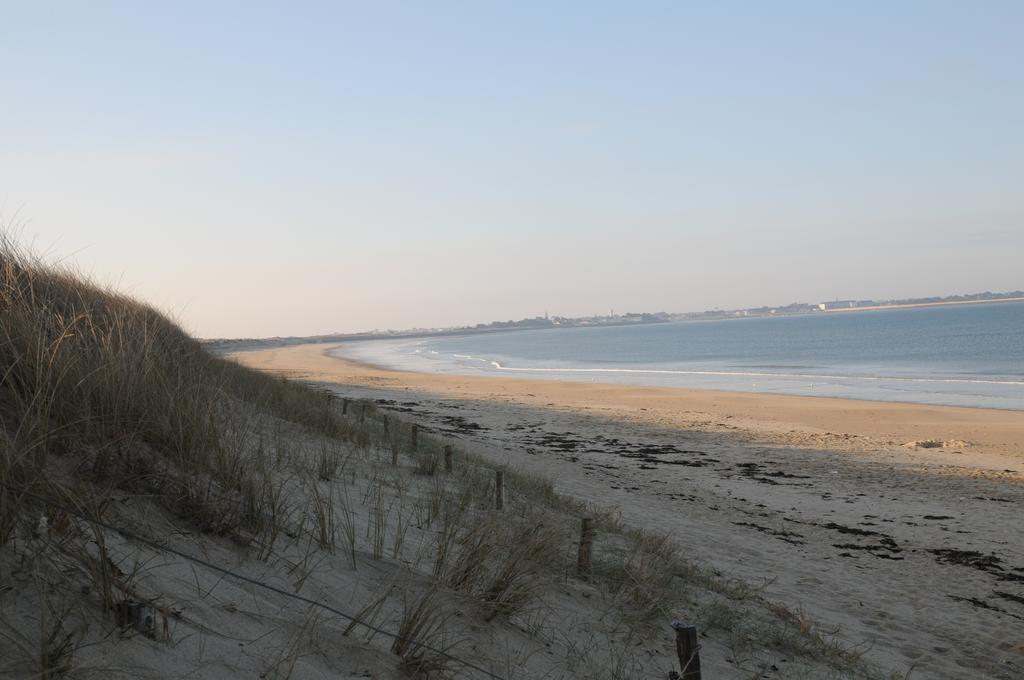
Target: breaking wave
<point x="740" y="374"/>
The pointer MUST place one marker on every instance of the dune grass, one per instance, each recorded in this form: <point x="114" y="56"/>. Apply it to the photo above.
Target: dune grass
<point x="126" y="394"/>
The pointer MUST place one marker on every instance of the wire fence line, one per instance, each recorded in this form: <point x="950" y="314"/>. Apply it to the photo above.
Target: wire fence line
<point x="247" y="579"/>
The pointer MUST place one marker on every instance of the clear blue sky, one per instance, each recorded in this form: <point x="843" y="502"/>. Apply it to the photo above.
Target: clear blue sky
<point x="298" y="168"/>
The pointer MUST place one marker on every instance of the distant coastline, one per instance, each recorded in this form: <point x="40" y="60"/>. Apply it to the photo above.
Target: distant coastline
<point x="911" y="305"/>
<point x="627" y="319"/>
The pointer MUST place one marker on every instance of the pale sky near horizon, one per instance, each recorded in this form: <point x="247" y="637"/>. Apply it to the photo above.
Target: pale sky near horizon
<point x="269" y="169"/>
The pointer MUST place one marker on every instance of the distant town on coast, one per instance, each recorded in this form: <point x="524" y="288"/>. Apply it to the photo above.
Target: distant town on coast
<point x="634" y="318"/>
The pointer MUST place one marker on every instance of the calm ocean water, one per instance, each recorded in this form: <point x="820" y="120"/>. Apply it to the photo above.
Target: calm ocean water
<point x="968" y="355"/>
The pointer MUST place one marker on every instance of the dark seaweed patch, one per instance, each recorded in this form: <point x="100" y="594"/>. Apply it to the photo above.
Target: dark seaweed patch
<point x="982" y="604"/>
<point x="1009" y="596"/>
<point x="851" y="530"/>
<point x="989" y="564"/>
<point x="783" y="535"/>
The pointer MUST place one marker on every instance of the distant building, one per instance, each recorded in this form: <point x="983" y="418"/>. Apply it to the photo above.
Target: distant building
<point x="842" y="304"/>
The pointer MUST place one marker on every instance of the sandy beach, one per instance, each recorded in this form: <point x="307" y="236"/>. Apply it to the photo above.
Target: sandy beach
<point x="895" y="524"/>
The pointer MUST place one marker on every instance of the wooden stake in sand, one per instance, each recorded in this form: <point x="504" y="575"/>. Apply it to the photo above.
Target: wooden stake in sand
<point x="448" y="458"/>
<point x="344" y="406"/>
<point x="499" y="489"/>
<point x="415" y="437"/>
<point x="362" y="415"/>
<point x="583" y="567"/>
<point x="138" y="615"/>
<point x="688" y="650"/>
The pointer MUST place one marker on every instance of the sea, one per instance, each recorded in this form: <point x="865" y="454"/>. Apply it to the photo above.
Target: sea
<point x="959" y="355"/>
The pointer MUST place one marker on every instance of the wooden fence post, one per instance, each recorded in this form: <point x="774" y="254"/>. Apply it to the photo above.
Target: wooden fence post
<point x="344" y="406"/>
<point x="583" y="566"/>
<point x="138" y="615"/>
<point x="499" y="489"/>
<point x="688" y="650"/>
<point x="362" y="414"/>
<point x="448" y="458"/>
<point x="415" y="437"/>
